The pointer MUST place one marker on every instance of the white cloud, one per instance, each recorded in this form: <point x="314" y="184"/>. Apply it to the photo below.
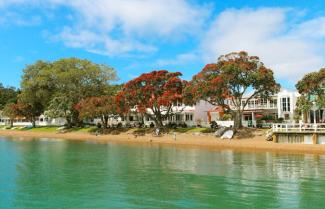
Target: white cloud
<point x="113" y="27"/>
<point x="119" y="27"/>
<point x="291" y="50"/>
<point x="180" y="59"/>
<point x="100" y="43"/>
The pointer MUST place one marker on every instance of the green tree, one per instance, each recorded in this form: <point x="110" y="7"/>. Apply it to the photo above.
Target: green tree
<point x="313" y="85"/>
<point x="229" y="80"/>
<point x="60" y="107"/>
<point x="7" y="95"/>
<point x="76" y="79"/>
<point x="58" y="86"/>
<point x="303" y="106"/>
<point x="37" y="88"/>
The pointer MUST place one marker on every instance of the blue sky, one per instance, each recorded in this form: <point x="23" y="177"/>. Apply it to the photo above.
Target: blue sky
<point x="136" y="36"/>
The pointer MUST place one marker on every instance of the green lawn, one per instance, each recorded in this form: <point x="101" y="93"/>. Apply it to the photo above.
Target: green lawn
<point x="51" y="129"/>
<point x="191" y="130"/>
<point x="83" y="130"/>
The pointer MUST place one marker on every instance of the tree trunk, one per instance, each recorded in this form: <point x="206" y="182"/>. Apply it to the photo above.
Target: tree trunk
<point x="237" y="119"/>
<point x="104" y="120"/>
<point x="305" y="116"/>
<point x="68" y="119"/>
<point x="34" y="122"/>
<point x="11" y="123"/>
<point x="75" y="119"/>
<point x="158" y="121"/>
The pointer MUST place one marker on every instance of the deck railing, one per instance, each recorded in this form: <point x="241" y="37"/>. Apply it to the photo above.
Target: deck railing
<point x="296" y="127"/>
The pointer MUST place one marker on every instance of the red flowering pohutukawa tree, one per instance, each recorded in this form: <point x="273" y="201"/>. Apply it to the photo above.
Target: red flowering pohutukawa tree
<point x="229" y="80"/>
<point x="152" y="94"/>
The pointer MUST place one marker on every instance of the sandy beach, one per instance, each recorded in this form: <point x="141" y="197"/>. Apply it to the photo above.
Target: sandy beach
<point x="256" y="143"/>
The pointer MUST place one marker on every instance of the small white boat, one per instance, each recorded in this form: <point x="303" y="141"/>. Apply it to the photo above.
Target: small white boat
<point x="228" y="134"/>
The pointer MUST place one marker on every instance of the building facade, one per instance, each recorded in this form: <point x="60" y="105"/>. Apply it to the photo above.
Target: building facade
<point x="257" y="112"/>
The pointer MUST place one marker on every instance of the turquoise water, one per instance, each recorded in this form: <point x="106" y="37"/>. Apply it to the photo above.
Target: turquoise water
<point x="64" y="174"/>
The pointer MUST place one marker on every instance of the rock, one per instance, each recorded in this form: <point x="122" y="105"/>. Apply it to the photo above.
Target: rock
<point x="228" y="134"/>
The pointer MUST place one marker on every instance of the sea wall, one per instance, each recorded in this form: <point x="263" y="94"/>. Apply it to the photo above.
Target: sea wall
<point x="299" y="138"/>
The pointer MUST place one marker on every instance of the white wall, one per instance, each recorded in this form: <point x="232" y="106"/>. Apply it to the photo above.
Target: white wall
<point x="293" y="100"/>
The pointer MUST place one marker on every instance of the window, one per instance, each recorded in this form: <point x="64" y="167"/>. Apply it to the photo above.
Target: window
<point x="178" y="117"/>
<point x="243" y="103"/>
<point x="256" y="103"/>
<point x="263" y="103"/>
<point x="247" y="117"/>
<point x="189" y="117"/>
<point x="251" y="104"/>
<point x="273" y="103"/>
<point x="285" y="104"/>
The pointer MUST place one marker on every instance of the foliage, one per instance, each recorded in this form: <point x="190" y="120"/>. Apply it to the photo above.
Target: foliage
<point x="36" y="88"/>
<point x="268" y="118"/>
<point x="102" y="107"/>
<point x="7" y="95"/>
<point x="155" y="91"/>
<point x="226" y="117"/>
<point x="58" y="86"/>
<point x="60" y="107"/>
<point x="303" y="105"/>
<point x="28" y="111"/>
<point x="77" y="79"/>
<point x="313" y="84"/>
<point x="229" y="80"/>
<point x="11" y="110"/>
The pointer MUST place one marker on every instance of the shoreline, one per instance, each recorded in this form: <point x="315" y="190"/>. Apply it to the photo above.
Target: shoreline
<point x="257" y="143"/>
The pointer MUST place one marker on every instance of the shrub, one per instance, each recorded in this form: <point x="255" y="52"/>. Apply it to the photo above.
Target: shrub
<point x="213" y="125"/>
<point x="183" y="125"/>
<point x="119" y="125"/>
<point x="140" y="131"/>
<point x="280" y="120"/>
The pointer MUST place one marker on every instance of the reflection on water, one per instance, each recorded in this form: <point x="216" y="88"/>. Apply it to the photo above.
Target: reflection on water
<point x="63" y="174"/>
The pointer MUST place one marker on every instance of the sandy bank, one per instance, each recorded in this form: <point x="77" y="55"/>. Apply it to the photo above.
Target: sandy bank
<point x="255" y="143"/>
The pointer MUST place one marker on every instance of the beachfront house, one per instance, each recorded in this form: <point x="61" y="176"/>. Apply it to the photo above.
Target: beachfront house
<point x="261" y="112"/>
<point x="257" y="113"/>
<point x="42" y="120"/>
<point x="188" y="115"/>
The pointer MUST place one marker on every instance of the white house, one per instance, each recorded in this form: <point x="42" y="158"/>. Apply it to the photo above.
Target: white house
<point x="281" y="105"/>
<point x="40" y="121"/>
